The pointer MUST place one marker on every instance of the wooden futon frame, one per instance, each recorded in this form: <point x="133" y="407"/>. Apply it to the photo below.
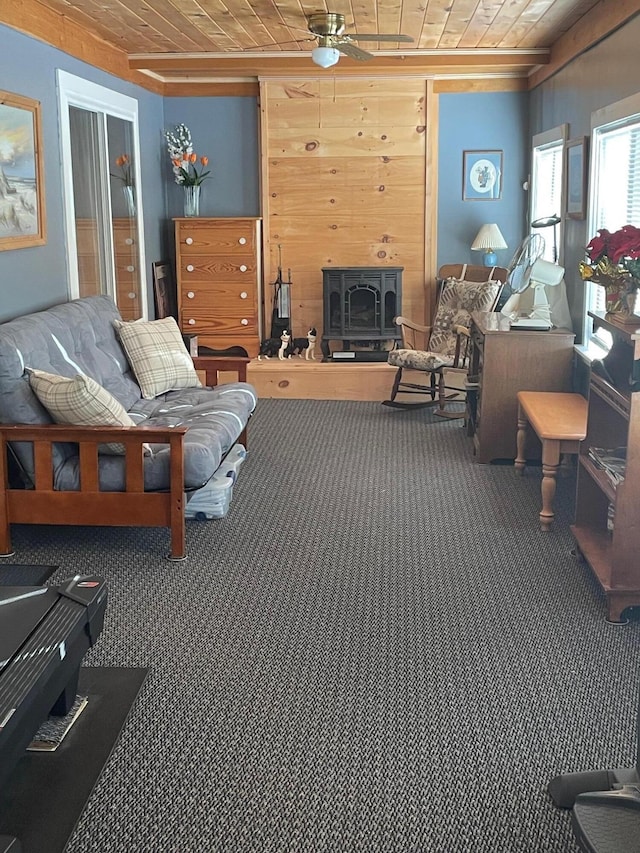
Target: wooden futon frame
<point x="88" y="505"/>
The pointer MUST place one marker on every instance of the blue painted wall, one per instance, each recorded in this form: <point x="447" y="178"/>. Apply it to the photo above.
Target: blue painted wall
<point x="483" y="121"/>
<point x="226" y="131"/>
<point x="36" y="278"/>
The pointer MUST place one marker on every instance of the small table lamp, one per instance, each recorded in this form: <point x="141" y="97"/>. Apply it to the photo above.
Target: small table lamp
<point x="488" y="239"/>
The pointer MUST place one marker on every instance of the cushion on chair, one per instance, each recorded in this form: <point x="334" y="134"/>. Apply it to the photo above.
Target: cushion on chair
<point x="158" y="357"/>
<point x="457" y="300"/>
<point x="414" y="359"/>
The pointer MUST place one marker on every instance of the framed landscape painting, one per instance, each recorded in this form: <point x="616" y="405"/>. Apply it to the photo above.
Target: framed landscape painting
<point x="22" y="211"/>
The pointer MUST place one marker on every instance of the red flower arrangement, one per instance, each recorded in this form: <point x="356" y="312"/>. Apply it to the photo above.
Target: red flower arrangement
<point x="621" y="247"/>
<point x="614" y="263"/>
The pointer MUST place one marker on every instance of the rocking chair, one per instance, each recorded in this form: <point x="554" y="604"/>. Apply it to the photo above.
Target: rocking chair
<point x="442" y="350"/>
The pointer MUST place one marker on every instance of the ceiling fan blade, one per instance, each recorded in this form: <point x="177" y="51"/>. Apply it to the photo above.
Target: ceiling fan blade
<point x="352" y="50"/>
<point x="380" y="37"/>
<point x="279" y="44"/>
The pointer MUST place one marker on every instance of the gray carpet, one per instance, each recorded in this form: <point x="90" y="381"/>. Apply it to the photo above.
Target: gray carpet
<point x="14" y="575"/>
<point x="376" y="650"/>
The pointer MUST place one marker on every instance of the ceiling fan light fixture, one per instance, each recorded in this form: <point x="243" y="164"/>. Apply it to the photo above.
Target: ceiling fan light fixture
<point x="325" y="57"/>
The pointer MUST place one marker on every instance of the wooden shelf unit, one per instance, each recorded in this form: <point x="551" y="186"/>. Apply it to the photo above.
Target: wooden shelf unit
<point x="503" y="362"/>
<point x="613" y="421"/>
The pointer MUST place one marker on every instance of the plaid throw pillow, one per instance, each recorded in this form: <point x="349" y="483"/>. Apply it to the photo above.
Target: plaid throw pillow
<point x="81" y="401"/>
<point x="157" y="355"/>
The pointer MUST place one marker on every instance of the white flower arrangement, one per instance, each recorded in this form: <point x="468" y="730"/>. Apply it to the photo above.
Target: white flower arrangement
<point x="183" y="157"/>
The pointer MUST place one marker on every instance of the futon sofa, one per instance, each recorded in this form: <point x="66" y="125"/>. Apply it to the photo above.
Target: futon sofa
<point x="60" y="468"/>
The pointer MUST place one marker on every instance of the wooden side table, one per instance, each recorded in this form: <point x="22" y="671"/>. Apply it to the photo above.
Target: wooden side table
<point x="560" y="422"/>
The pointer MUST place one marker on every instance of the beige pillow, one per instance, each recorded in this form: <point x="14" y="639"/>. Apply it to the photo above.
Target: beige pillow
<point x="80" y="400"/>
<point x="157" y="355"/>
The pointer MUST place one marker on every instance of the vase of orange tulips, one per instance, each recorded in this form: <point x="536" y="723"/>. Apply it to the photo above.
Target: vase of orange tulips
<point x="185" y="164"/>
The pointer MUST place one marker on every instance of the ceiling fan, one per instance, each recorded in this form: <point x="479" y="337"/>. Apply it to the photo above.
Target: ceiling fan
<point x="328" y="29"/>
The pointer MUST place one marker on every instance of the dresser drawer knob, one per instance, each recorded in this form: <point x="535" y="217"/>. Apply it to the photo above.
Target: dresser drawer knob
<point x="132" y="295"/>
<point x="129" y="241"/>
<point x="190" y="294"/>
<point x="191" y="321"/>
<point x="190" y="268"/>
<point x="189" y="241"/>
<point x="244" y="322"/>
<point x="242" y="241"/>
<point x="244" y="294"/>
<point x="243" y="267"/>
<point x="130" y="268"/>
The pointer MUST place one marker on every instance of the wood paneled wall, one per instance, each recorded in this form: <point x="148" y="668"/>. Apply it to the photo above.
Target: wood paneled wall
<point x="343" y="185"/>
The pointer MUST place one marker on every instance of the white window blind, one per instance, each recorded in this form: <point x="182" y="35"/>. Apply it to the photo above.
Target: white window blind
<point x="547" y="169"/>
<point x="617" y="201"/>
<point x="615" y="193"/>
<point x="548" y="184"/>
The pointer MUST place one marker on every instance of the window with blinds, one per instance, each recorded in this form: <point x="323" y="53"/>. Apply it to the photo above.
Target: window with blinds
<point x="547" y="166"/>
<point x="614" y="185"/>
<point x="616" y="191"/>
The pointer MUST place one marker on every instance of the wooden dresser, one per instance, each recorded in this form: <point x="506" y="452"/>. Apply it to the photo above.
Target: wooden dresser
<point x="219" y="279"/>
<point x="126" y="257"/>
<point x="503" y="362"/>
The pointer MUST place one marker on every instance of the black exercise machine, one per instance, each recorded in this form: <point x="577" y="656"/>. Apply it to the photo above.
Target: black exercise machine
<point x="44" y="634"/>
<point x="605" y="806"/>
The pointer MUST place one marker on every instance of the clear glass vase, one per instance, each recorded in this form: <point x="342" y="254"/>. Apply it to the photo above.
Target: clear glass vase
<point x="192" y="201"/>
<point x="129" y="199"/>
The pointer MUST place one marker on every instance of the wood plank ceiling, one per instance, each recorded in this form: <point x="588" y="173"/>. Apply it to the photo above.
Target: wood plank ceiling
<point x="199" y="40"/>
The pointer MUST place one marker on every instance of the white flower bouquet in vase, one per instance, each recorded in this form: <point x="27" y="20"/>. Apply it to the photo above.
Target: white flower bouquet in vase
<point x="184" y="161"/>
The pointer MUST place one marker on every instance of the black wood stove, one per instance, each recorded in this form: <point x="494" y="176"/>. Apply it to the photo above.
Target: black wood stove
<point x="360" y="304"/>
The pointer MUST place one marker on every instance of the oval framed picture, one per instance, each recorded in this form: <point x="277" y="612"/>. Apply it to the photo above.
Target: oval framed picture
<point x="481" y="175"/>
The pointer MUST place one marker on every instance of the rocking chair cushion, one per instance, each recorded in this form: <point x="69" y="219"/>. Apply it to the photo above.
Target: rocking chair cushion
<point x="457" y="301"/>
<point x="418" y="360"/>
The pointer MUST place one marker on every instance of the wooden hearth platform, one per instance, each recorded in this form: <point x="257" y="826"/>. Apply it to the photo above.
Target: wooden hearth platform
<point x="297" y="379"/>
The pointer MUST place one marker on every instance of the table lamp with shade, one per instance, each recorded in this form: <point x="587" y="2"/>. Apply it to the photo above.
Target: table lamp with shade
<point x="487" y="240"/>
